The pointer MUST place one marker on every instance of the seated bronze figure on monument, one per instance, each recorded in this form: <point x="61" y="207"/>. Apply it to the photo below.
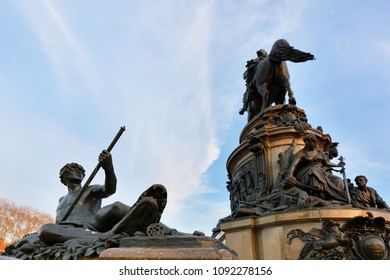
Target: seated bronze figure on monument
<point x="85" y="229"/>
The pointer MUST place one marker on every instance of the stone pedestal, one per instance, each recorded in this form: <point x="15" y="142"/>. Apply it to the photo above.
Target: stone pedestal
<point x="274" y="216"/>
<point x="169" y="248"/>
<point x="265" y="238"/>
<point x="166" y="254"/>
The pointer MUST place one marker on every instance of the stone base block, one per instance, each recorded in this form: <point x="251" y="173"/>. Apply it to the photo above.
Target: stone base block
<point x="167" y="254"/>
<point x="265" y="238"/>
<point x="169" y="248"/>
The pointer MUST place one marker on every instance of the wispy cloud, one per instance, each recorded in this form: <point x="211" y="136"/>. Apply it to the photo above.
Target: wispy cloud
<point x="382" y="49"/>
<point x="69" y="57"/>
<point x="172" y="122"/>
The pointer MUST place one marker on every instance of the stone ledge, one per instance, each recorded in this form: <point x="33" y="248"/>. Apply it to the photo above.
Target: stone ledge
<point x="174" y="241"/>
<point x="167" y="254"/>
<point x="305" y="215"/>
<point x="176" y="247"/>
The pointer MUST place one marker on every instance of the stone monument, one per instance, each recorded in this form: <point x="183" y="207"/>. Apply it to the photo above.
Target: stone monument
<point x="289" y="199"/>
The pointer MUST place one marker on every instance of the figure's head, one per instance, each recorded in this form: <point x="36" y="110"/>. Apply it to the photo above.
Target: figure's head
<point x="310" y="140"/>
<point x="71" y="171"/>
<point x="361" y="180"/>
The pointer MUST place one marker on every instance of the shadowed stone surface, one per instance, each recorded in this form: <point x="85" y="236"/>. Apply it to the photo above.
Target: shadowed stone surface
<point x="171" y="242"/>
<point x="170" y="248"/>
<point x="167" y="254"/>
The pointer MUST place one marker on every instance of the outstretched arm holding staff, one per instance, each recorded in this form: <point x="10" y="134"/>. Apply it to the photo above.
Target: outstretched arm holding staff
<point x="93" y="174"/>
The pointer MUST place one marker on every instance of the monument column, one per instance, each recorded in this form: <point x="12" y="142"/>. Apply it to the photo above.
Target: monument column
<point x="288" y="200"/>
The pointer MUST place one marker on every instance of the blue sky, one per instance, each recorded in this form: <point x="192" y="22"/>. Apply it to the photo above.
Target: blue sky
<point x="73" y="72"/>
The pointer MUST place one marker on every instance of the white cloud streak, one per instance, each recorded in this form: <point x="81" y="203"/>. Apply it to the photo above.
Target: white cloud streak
<point x="177" y="139"/>
<point x="69" y="57"/>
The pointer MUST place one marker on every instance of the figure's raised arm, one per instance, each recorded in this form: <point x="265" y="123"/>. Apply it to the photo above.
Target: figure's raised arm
<point x="328" y="163"/>
<point x="294" y="164"/>
<point x="105" y="160"/>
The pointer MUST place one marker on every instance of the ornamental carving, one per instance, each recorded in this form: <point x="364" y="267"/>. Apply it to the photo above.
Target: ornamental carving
<point x="362" y="238"/>
<point x="288" y="116"/>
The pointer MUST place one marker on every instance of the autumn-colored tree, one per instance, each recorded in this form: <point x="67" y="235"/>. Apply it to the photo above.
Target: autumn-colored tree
<point x="17" y="221"/>
<point x="2" y="244"/>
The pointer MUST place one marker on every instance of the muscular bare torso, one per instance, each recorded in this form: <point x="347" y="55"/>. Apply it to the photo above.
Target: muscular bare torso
<point x="84" y="211"/>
